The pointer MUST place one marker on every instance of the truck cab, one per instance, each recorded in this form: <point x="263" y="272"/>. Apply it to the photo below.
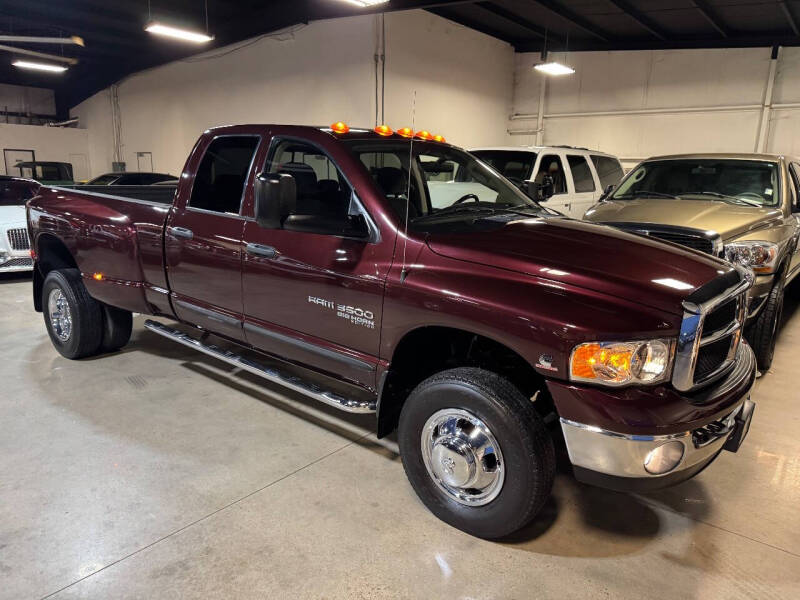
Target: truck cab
<point x="579" y="175"/>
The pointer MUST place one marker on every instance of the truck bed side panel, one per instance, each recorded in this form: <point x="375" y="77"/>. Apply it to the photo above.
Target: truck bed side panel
<point x="117" y="240"/>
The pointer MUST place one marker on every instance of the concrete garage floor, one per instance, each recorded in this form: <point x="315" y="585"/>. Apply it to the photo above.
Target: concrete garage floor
<point x="159" y="473"/>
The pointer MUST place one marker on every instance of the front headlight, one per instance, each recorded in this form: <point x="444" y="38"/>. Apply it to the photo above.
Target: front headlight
<point x="622" y="363"/>
<point x="761" y="257"/>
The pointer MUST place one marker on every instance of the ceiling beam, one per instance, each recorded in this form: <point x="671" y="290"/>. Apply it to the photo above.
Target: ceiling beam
<point x="703" y="7"/>
<point x="477" y="26"/>
<point x="498" y="11"/>
<point x="577" y="20"/>
<point x="790" y="17"/>
<point x="762" y="40"/>
<point x="638" y="16"/>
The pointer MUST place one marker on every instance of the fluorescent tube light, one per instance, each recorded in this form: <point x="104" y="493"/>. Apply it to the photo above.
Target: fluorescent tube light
<point x="178" y="34"/>
<point x="554" y="68"/>
<point x="36" y="66"/>
<point x="365" y="3"/>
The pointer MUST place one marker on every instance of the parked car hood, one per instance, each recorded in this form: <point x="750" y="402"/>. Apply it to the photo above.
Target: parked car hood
<point x="728" y="220"/>
<point x="590" y="256"/>
<point x="12" y="215"/>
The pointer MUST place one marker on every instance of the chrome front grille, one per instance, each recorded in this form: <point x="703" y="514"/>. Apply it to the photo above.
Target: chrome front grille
<point x="18" y="238"/>
<point x="710" y="335"/>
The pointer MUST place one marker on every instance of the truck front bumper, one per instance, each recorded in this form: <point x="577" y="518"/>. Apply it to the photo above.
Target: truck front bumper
<point x="638" y="455"/>
<point x="645" y="462"/>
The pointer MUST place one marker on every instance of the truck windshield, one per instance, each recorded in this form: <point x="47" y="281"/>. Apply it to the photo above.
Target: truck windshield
<point x="438" y="183"/>
<point x="743" y="182"/>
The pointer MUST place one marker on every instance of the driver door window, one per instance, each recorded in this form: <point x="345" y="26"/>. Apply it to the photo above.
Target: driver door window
<point x="322" y="190"/>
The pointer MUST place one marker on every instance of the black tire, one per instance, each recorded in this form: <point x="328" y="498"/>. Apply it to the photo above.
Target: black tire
<point x="117" y="328"/>
<point x="763" y="334"/>
<point x="526" y="447"/>
<point x="86" y="327"/>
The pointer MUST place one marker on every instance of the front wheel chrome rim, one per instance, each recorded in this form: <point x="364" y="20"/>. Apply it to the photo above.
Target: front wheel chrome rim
<point x="462" y="457"/>
<point x="60" y="314"/>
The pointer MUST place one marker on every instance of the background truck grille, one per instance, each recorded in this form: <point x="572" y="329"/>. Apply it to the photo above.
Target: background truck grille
<point x="18" y="238"/>
<point x="13" y="263"/>
<point x="684" y="236"/>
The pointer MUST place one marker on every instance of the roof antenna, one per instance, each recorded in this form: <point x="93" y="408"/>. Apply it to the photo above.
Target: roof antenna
<point x="404" y="271"/>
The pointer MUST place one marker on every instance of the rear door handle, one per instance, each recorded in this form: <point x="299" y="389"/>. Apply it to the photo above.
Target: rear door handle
<point x="181" y="232"/>
<point x="262" y="250"/>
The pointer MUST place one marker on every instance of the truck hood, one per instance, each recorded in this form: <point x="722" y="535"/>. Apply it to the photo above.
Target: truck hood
<point x="728" y="220"/>
<point x="590" y="256"/>
<point x="12" y="215"/>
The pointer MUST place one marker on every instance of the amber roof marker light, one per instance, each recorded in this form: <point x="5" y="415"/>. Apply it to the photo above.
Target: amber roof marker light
<point x="439" y="138"/>
<point x="405" y="132"/>
<point x="383" y="130"/>
<point x="340" y="127"/>
<point x="424" y="135"/>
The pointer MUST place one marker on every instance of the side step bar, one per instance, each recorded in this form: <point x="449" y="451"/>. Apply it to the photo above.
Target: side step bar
<point x="269" y="373"/>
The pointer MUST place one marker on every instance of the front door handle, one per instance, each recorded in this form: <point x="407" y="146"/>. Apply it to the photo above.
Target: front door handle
<point x="262" y="250"/>
<point x="181" y="232"/>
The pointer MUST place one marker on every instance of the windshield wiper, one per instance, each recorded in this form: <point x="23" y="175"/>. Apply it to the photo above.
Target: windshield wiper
<point x="491" y="210"/>
<point x="646" y="194"/>
<point x="726" y="197"/>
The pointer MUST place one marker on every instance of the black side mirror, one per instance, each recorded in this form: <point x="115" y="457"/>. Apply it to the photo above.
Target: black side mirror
<point x="275" y="198"/>
<point x="608" y="191"/>
<point x="546" y="188"/>
<point x="351" y="226"/>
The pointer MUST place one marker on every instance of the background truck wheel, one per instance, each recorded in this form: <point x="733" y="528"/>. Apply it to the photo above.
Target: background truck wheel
<point x="74" y="319"/>
<point x="476" y="452"/>
<point x="117" y="328"/>
<point x="763" y="334"/>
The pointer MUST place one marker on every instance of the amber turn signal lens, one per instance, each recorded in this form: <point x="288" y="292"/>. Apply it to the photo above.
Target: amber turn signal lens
<point x="98" y="277"/>
<point x="339" y="127"/>
<point x="439" y="138"/>
<point x="383" y="130"/>
<point x="406" y="132"/>
<point x="424" y="135"/>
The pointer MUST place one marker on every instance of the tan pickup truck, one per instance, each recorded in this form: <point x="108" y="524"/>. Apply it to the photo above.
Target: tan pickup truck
<point x="742" y="207"/>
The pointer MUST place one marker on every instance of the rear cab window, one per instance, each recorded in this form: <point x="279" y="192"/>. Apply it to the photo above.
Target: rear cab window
<point x="222" y="174"/>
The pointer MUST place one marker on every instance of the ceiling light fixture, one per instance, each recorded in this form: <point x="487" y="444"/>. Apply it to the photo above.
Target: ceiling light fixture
<point x="366" y="3"/>
<point x="178" y="33"/>
<point x="36" y="66"/>
<point x="554" y="68"/>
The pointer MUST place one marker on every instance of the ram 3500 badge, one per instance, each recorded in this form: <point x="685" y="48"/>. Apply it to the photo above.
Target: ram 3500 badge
<point x="292" y="242"/>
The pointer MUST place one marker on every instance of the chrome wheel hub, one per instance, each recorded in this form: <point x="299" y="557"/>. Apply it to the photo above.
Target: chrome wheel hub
<point x="60" y="315"/>
<point x="462" y="457"/>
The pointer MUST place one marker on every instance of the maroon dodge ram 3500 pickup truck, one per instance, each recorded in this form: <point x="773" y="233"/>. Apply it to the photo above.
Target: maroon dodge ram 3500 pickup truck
<point x="405" y="277"/>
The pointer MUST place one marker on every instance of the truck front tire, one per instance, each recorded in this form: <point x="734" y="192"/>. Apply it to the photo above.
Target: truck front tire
<point x="73" y="318"/>
<point x="476" y="451"/>
<point x="762" y="335"/>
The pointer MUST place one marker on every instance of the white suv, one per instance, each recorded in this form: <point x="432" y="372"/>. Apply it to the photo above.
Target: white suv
<point x="580" y="176"/>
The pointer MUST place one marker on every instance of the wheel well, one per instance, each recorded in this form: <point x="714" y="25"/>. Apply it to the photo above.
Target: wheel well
<point x="428" y="350"/>
<point x="51" y="255"/>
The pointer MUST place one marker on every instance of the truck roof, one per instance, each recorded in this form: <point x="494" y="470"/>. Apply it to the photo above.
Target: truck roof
<point x="365" y="133"/>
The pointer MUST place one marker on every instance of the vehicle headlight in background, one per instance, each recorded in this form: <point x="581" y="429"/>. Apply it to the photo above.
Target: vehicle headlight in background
<point x="622" y="363"/>
<point x="761" y="257"/>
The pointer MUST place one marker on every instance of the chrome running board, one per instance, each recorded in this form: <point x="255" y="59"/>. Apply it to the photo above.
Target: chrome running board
<point x="269" y="373"/>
